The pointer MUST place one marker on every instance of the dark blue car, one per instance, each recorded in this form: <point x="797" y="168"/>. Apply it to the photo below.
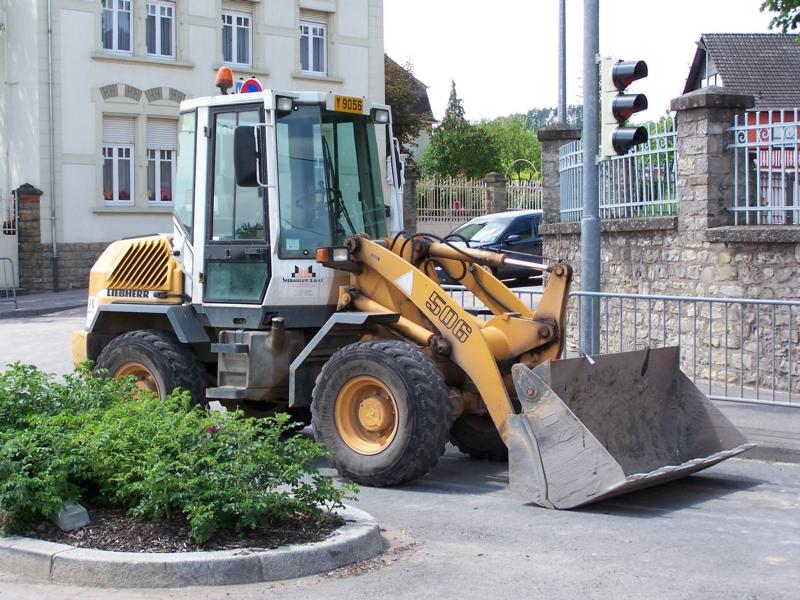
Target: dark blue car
<point x="513" y="231"/>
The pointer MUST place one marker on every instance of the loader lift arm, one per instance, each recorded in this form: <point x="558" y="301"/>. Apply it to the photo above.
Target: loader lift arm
<point x="390" y="279"/>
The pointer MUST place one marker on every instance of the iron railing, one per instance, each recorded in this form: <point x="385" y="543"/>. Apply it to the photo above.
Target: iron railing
<point x="9" y="251"/>
<point x="642" y="183"/>
<point x="740" y="349"/>
<point x="523" y="195"/>
<point x="765" y="156"/>
<point x="8" y="279"/>
<point x="451" y="199"/>
<point x="8" y="216"/>
<point x="735" y="349"/>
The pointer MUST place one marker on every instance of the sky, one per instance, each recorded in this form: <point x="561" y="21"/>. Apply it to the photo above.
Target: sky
<point x="503" y="55"/>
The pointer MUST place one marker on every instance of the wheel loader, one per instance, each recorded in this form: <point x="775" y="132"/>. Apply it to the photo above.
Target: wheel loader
<point x="280" y="289"/>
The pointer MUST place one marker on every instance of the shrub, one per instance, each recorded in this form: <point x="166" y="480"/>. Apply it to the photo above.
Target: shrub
<point x="39" y="469"/>
<point x="79" y="441"/>
<point x="25" y="391"/>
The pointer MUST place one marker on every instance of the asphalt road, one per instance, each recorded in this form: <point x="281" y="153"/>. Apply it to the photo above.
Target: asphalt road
<point x="732" y="531"/>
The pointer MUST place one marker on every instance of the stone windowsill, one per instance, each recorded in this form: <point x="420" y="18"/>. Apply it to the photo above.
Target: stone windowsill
<point x="614" y="225"/>
<point x="142" y="60"/>
<point x="311" y="77"/>
<point x="132" y="209"/>
<point x="242" y="71"/>
<point x="771" y="234"/>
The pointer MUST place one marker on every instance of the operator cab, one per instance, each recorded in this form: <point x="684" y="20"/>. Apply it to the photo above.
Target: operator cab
<point x="263" y="180"/>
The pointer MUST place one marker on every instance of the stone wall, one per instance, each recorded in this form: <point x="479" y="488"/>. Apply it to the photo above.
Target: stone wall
<point x="696" y="253"/>
<point x="36" y="259"/>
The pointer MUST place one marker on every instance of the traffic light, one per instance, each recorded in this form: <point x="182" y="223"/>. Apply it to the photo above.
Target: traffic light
<point x="617" y="107"/>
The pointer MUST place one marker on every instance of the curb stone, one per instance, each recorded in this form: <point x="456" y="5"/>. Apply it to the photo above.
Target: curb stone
<point x="23" y="313"/>
<point x="358" y="539"/>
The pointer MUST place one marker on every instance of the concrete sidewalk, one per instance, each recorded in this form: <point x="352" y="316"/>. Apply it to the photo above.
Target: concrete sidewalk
<point x="32" y="305"/>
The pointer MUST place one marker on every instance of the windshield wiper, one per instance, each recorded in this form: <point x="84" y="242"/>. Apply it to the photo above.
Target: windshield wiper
<point x="334" y="194"/>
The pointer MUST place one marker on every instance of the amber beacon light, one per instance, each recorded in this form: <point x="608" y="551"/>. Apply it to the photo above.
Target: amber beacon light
<point x="224" y="79"/>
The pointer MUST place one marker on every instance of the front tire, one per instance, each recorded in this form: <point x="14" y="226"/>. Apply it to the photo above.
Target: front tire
<point x="158" y="361"/>
<point x="382" y="409"/>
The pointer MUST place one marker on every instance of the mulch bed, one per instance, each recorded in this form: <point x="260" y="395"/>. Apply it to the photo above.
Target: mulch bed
<point x="113" y="529"/>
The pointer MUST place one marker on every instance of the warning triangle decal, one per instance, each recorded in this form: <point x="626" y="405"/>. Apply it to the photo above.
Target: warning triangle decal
<point x="406" y="282"/>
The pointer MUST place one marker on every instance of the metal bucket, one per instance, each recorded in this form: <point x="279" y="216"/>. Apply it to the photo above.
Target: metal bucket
<point x="628" y="421"/>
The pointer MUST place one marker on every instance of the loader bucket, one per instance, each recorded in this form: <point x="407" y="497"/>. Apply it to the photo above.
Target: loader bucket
<point x="628" y="421"/>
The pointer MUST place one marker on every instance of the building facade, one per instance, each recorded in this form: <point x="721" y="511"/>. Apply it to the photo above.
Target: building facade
<point x="88" y="114"/>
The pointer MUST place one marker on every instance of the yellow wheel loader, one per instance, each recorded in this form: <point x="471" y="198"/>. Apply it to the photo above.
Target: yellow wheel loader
<point x="280" y="289"/>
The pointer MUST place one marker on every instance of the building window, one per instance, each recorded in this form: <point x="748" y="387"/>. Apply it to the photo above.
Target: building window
<point x="160" y="174"/>
<point x="236" y="38"/>
<point x="160" y="28"/>
<point x="162" y="137"/>
<point x="116" y="25"/>
<point x="312" y="48"/>
<point x="118" y="147"/>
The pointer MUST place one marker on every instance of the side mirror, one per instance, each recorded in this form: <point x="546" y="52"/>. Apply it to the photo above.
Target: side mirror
<point x="514" y="237"/>
<point x="247" y="164"/>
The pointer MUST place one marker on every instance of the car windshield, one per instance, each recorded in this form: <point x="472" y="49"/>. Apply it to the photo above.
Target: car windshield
<point x="483" y="232"/>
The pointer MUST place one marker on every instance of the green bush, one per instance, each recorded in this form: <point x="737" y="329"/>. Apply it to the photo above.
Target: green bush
<point x="39" y="470"/>
<point x="79" y="441"/>
<point x="25" y="392"/>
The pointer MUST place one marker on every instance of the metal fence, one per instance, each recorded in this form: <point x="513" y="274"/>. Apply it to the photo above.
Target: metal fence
<point x="451" y="199"/>
<point x="9" y="249"/>
<point x="738" y="349"/>
<point x="8" y="216"/>
<point x="642" y="183"/>
<point x="735" y="349"/>
<point x="8" y="279"/>
<point x="523" y="195"/>
<point x="765" y="154"/>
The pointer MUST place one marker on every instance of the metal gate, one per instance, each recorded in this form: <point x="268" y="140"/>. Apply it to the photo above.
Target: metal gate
<point x="9" y="250"/>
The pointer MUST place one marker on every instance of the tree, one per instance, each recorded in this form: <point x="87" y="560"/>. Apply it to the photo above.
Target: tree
<point x="516" y="144"/>
<point x="539" y="118"/>
<point x="459" y="148"/>
<point x="787" y="14"/>
<point x="409" y="119"/>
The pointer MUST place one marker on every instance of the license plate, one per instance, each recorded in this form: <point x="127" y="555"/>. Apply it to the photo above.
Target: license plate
<point x="348" y="104"/>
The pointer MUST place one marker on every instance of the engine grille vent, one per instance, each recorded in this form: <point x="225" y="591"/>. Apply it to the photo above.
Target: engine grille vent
<point x="145" y="266"/>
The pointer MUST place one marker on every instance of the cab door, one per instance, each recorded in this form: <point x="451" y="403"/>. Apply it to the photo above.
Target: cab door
<point x="237" y="256"/>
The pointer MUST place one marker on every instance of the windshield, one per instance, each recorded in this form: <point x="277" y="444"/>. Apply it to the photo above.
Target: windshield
<point x="328" y="179"/>
<point x="484" y="232"/>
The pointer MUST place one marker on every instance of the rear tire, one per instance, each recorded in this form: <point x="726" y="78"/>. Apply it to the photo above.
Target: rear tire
<point x="476" y="436"/>
<point x="382" y="409"/>
<point x="158" y="360"/>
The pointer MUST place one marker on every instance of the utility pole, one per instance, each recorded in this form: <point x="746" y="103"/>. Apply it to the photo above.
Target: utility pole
<point x="562" y="61"/>
<point x="590" y="222"/>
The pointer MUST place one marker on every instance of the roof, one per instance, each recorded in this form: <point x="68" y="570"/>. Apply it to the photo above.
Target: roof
<point x="766" y="65"/>
<point x="422" y="104"/>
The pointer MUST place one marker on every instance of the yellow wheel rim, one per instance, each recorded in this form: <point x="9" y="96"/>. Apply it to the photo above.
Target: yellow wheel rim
<point x="145" y="380"/>
<point x="366" y="415"/>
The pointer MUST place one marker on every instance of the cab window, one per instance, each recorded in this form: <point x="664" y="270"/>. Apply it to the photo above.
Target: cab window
<point x="237" y="212"/>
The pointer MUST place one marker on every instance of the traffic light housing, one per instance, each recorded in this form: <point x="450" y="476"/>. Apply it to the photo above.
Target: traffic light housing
<point x="617" y="106"/>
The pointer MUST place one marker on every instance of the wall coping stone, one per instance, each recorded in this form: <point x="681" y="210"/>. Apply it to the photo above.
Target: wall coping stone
<point x="26" y="189"/>
<point x="764" y="234"/>
<point x="712" y="97"/>
<point x="613" y="225"/>
<point x="559" y="131"/>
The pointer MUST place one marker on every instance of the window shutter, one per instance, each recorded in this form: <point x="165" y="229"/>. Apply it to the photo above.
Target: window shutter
<point x="238" y="6"/>
<point x="162" y="134"/>
<point x="314" y="16"/>
<point x="118" y="130"/>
